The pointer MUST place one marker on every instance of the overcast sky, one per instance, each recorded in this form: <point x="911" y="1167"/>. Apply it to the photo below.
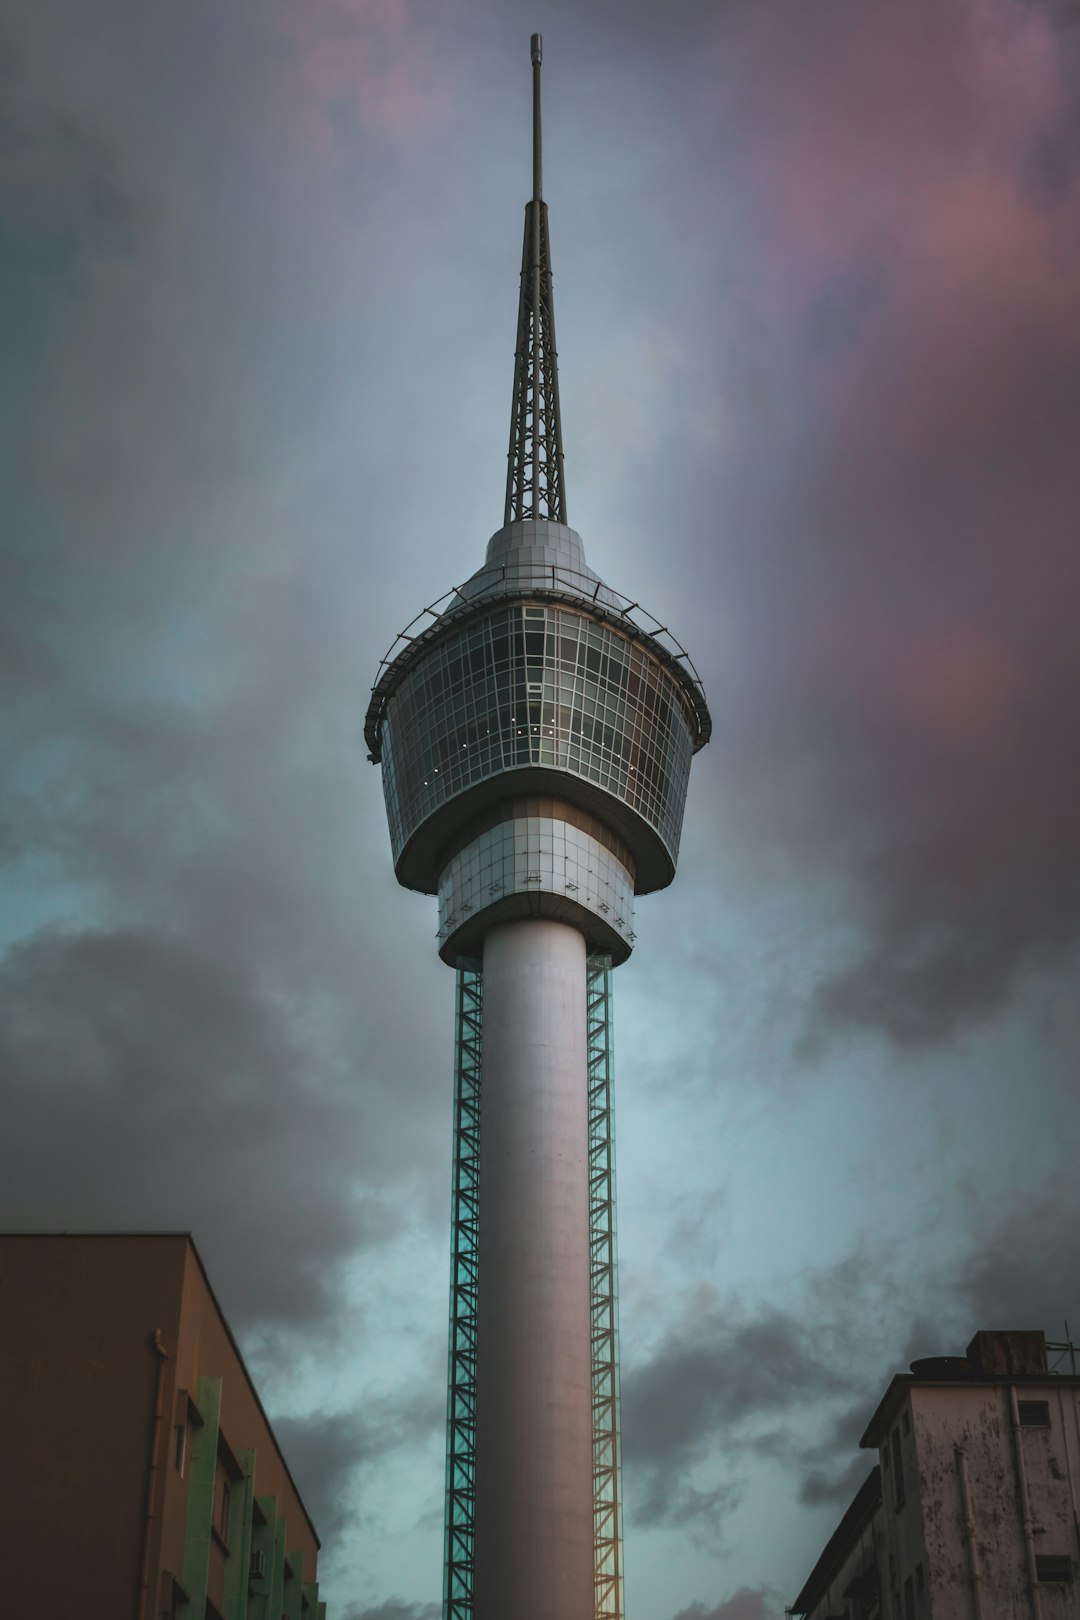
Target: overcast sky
<point x="817" y="277"/>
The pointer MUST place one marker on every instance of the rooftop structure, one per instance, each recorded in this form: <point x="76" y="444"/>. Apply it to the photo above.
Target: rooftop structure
<point x="535" y="730"/>
<point x="970" y="1512"/>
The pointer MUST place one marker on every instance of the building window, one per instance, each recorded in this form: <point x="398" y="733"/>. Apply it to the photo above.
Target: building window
<point x="180" y="1449"/>
<point x="223" y="1513"/>
<point x="907" y="1424"/>
<point x="1034" y="1414"/>
<point x="174" y="1600"/>
<point x="897" y="1469"/>
<point x="861" y="1595"/>
<point x="909" y="1600"/>
<point x="1053" y="1567"/>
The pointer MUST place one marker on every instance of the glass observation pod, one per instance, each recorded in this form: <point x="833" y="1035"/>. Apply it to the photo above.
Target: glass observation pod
<point x="534" y="678"/>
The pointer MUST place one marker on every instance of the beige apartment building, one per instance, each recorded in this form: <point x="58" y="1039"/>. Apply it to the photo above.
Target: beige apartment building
<point x="971" y="1512"/>
<point x="141" y="1478"/>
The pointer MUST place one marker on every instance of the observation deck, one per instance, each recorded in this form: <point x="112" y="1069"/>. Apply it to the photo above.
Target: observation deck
<point x="535" y="730"/>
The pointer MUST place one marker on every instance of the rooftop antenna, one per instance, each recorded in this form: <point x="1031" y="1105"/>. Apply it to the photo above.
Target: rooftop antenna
<point x="535" y="484"/>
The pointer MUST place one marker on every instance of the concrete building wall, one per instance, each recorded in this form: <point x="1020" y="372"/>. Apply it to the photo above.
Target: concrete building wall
<point x="979" y="1510"/>
<point x="136" y="1451"/>
<point x="968" y="1442"/>
<point x="78" y="1380"/>
<point x="905" y="1566"/>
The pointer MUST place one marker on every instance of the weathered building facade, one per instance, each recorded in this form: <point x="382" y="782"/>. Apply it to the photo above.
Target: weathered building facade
<point x="141" y="1477"/>
<point x="972" y="1510"/>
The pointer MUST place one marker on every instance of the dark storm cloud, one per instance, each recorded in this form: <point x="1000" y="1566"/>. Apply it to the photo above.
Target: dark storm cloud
<point x="66" y="202"/>
<point x="70" y="208"/>
<point x="331" y="1453"/>
<point x="147" y="1085"/>
<point x="210" y="1058"/>
<point x="206" y="1054"/>
<point x="176" y="394"/>
<point x="1025" y="1270"/>
<point x="324" y="1452"/>
<point x="395" y="1609"/>
<point x="700" y="1513"/>
<point x="836" y="1486"/>
<point x="92" y="339"/>
<point x="208" y="1035"/>
<point x="911" y="672"/>
<point x="725" y="1384"/>
<point x="833" y="1468"/>
<point x="748" y="1603"/>
<point x="715" y="1377"/>
<point x="705" y="1393"/>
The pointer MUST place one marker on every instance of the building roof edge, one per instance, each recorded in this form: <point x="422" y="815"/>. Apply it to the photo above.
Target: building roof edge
<point x="244" y="1369"/>
<point x="859" y="1512"/>
<point x="186" y="1236"/>
<point x="882" y="1415"/>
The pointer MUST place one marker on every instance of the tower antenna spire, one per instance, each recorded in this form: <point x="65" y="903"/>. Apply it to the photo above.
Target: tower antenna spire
<point x="536" y="51"/>
<point x="535" y="483"/>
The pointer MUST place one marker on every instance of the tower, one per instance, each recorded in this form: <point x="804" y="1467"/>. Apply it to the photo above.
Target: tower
<point x="535" y="730"/>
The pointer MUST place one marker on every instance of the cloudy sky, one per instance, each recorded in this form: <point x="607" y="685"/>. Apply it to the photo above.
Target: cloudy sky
<point x="817" y="281"/>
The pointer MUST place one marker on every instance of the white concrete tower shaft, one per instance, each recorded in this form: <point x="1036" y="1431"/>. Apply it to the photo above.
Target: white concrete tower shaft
<point x="534" y="1524"/>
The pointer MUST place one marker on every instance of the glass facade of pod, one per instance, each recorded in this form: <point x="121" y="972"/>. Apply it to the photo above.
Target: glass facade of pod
<point x="533" y="685"/>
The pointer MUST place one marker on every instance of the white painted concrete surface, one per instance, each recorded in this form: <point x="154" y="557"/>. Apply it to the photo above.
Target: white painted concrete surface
<point x="534" y="1542"/>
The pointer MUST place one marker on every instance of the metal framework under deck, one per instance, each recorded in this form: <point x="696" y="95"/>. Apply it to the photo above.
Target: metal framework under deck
<point x="603" y="1282"/>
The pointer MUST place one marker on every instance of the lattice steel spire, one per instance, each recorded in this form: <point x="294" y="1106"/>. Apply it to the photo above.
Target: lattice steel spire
<point x="535" y="486"/>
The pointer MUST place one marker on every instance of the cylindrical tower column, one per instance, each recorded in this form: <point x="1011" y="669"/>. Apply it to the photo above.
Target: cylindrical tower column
<point x="534" y="1494"/>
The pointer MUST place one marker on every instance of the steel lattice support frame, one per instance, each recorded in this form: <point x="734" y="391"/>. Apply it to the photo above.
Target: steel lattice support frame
<point x="535" y="482"/>
<point x="603" y="1279"/>
<point x="604" y="1292"/>
<point x="461" y="1381"/>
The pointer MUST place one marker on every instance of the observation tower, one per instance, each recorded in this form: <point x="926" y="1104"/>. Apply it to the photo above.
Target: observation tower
<point x="535" y="730"/>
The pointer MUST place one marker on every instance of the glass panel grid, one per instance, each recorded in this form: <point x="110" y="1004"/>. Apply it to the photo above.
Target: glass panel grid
<point x="532" y="685"/>
<point x="535" y="855"/>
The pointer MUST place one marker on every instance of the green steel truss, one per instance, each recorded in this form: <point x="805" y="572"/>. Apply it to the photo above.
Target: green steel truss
<point x="603" y="1274"/>
<point x="604" y="1292"/>
<point x="461" y="1382"/>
